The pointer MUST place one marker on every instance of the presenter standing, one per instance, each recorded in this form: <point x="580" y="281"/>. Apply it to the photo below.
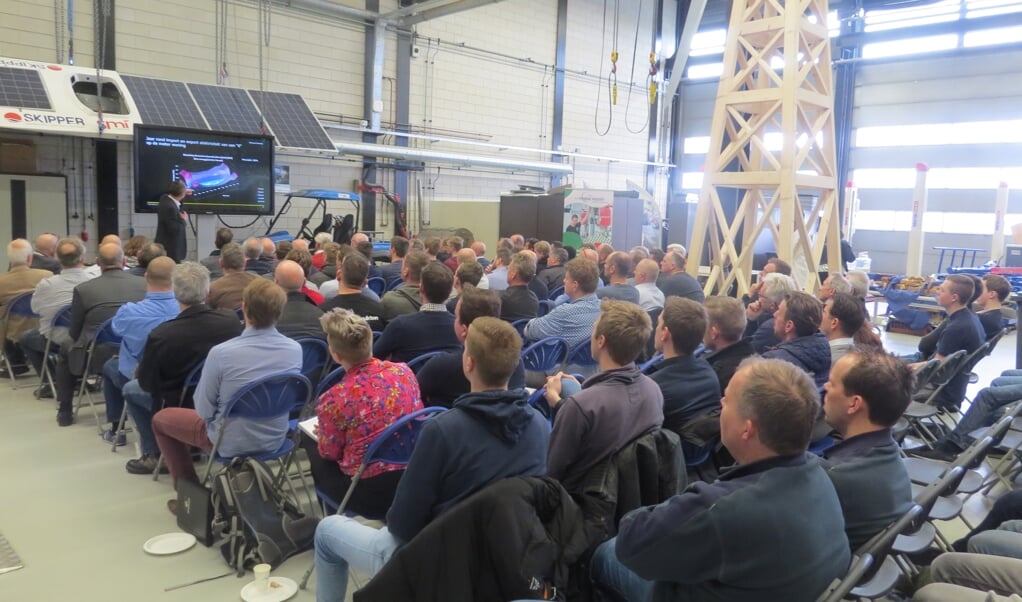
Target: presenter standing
<point x="171" y="221"/>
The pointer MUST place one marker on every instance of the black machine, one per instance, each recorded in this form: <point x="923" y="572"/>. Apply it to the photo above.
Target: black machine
<point x="342" y="227"/>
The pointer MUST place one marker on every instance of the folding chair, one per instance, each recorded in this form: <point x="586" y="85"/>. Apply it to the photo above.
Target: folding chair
<point x="62" y="319"/>
<point x="191" y="381"/>
<point x="918" y="412"/>
<point x="520" y="325"/>
<point x="582" y="357"/>
<point x="545" y="306"/>
<point x="315" y="355"/>
<point x="545" y="354"/>
<point x="377" y="284"/>
<point x="393" y="446"/>
<point x="416" y="363"/>
<point x="554" y="294"/>
<point x="644" y="368"/>
<point x="327" y="382"/>
<point x="18" y="307"/>
<point x="394" y="284"/>
<point x="104" y="336"/>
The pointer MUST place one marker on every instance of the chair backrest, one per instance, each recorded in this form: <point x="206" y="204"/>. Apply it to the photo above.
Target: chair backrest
<point x="105" y="335"/>
<point x="545" y="305"/>
<point x="519" y="325"/>
<point x="948" y="369"/>
<point x="394" y="284"/>
<point x="652" y="361"/>
<point x="376" y="335"/>
<point x="417" y="362"/>
<point x="377" y="284"/>
<point x="191" y="380"/>
<point x="554" y="294"/>
<point x="21" y="306"/>
<point x="315" y="353"/>
<point x="271" y="396"/>
<point x="62" y="319"/>
<point x="581" y="355"/>
<point x="545" y="354"/>
<point x="925" y="373"/>
<point x="395" y="444"/>
<point x="328" y="381"/>
<point x="992" y="341"/>
<point x="974" y="358"/>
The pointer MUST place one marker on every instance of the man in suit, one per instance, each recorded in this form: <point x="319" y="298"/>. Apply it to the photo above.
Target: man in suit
<point x="45" y="256"/>
<point x="92" y="303"/>
<point x="19" y="279"/>
<point x="171" y="221"/>
<point x="300" y="319"/>
<point x="225" y="293"/>
<point x="171" y="351"/>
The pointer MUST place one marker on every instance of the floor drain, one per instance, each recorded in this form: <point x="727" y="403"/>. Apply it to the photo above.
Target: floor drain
<point x="9" y="560"/>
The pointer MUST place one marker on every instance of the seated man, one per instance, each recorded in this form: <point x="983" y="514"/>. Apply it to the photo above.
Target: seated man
<point x="994" y="290"/>
<point x="843" y="316"/>
<point x="962" y="332"/>
<point x="834" y="284"/>
<point x="257" y="260"/>
<point x="572" y="321"/>
<point x="768" y="529"/>
<point x="490" y="433"/>
<point x="467" y="257"/>
<point x="45" y="255"/>
<point x="92" y="303"/>
<point x="212" y="262"/>
<point x="553" y="274"/>
<point x="867" y="393"/>
<point x="960" y="577"/>
<point x="133" y="322"/>
<point x="398" y="249"/>
<point x="774" y="265"/>
<point x="617" y="269"/>
<point x="725" y="347"/>
<point x="467" y="273"/>
<point x="20" y="278"/>
<point x="320" y="241"/>
<point x="517" y="301"/>
<point x="674" y="281"/>
<point x="441" y="379"/>
<point x="689" y="385"/>
<point x="646" y="274"/>
<point x="352" y="276"/>
<point x="497" y="269"/>
<point x="225" y="293"/>
<point x="615" y="406"/>
<point x="372" y="396"/>
<point x="331" y="254"/>
<point x="797" y="327"/>
<point x="304" y="260"/>
<point x="51" y="294"/>
<point x="405" y="299"/>
<point x="759" y="329"/>
<point x="300" y="319"/>
<point x="431" y="328"/>
<point x="259" y="351"/>
<point x="146" y="255"/>
<point x="171" y="351"/>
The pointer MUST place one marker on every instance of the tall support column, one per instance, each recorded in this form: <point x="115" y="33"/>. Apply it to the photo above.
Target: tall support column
<point x="372" y="107"/>
<point x="560" y="61"/>
<point x="777" y="80"/>
<point x="914" y="256"/>
<point x="1000" y="208"/>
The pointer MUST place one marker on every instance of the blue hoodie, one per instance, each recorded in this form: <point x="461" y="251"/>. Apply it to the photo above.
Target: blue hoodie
<point x="485" y="437"/>
<point x="811" y="353"/>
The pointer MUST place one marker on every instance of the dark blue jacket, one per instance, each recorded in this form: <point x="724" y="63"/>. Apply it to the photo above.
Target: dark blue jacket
<point x="770" y="530"/>
<point x="811" y="353"/>
<point x="408" y="336"/>
<point x="690" y="388"/>
<point x="487" y="436"/>
<point x="760" y="333"/>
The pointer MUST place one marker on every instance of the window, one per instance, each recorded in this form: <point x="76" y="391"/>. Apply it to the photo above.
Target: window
<point x="696" y="145"/>
<point x="708" y="42"/>
<point x="988" y="8"/>
<point x="952" y="178"/>
<point x="707" y="71"/>
<point x="936" y="12"/>
<point x="910" y="46"/>
<point x="934" y="222"/>
<point x="976" y="132"/>
<point x="692" y="180"/>
<point x="990" y="37"/>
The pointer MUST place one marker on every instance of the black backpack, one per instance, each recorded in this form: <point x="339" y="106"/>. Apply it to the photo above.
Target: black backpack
<point x="261" y="524"/>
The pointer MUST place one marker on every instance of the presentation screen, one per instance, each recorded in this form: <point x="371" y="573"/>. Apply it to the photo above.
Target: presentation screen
<point x="227" y="173"/>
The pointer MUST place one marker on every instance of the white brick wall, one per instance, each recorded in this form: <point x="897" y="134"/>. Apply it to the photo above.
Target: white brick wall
<point x="490" y="80"/>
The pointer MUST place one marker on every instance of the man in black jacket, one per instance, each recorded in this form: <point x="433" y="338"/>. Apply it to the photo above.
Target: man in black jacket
<point x="431" y="328"/>
<point x="171" y="221"/>
<point x="769" y="529"/>
<point x="490" y="434"/>
<point x="171" y="351"/>
<point x="725" y="347"/>
<point x="301" y="316"/>
<point x="518" y="301"/>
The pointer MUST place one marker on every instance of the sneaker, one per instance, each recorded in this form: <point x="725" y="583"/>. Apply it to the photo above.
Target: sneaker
<point x="65" y="418"/>
<point x="43" y="392"/>
<point x="110" y="434"/>
<point x="18" y="371"/>
<point x="145" y="465"/>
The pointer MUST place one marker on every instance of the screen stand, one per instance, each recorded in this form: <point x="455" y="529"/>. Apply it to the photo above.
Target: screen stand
<point x="207" y="225"/>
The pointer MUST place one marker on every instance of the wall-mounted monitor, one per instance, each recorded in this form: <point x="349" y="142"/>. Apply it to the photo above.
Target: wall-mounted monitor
<point x="227" y="173"/>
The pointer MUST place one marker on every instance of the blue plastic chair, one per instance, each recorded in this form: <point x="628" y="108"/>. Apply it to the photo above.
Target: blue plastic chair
<point x="394" y="284"/>
<point x="191" y="381"/>
<point x="329" y="381"/>
<point x="545" y="354"/>
<point x="581" y="355"/>
<point x="554" y="294"/>
<point x="545" y="307"/>
<point x="269" y="397"/>
<point x="818" y="447"/>
<point x="104" y="336"/>
<point x="538" y="402"/>
<point x="20" y="306"/>
<point x="416" y="363"/>
<point x="376" y="335"/>
<point x="377" y="285"/>
<point x="315" y="355"/>
<point x="652" y="362"/>
<point x="62" y="319"/>
<point x="520" y="325"/>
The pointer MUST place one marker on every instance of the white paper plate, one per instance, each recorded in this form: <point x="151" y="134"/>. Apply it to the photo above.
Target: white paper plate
<point x="285" y="589"/>
<point x="169" y="543"/>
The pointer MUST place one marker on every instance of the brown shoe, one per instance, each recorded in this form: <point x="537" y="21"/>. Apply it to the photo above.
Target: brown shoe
<point x="172" y="506"/>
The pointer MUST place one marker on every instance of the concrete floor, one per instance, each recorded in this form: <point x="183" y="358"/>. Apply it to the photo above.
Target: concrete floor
<point x="78" y="520"/>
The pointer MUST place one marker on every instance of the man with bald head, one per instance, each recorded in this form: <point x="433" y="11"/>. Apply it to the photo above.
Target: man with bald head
<point x="646" y="274"/>
<point x="479" y="248"/>
<point x="300" y="243"/>
<point x="19" y="279"/>
<point x="467" y="255"/>
<point x="300" y="319"/>
<point x="617" y="269"/>
<point x="133" y="323"/>
<point x="92" y="303"/>
<point x="45" y="256"/>
<point x="96" y="269"/>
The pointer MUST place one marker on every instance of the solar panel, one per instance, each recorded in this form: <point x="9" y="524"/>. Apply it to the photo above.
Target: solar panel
<point x="22" y="88"/>
<point x="227" y="109"/>
<point x="163" y="102"/>
<point x="291" y="120"/>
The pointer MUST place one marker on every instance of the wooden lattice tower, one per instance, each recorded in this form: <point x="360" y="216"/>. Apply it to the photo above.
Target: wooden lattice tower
<point x="777" y="80"/>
